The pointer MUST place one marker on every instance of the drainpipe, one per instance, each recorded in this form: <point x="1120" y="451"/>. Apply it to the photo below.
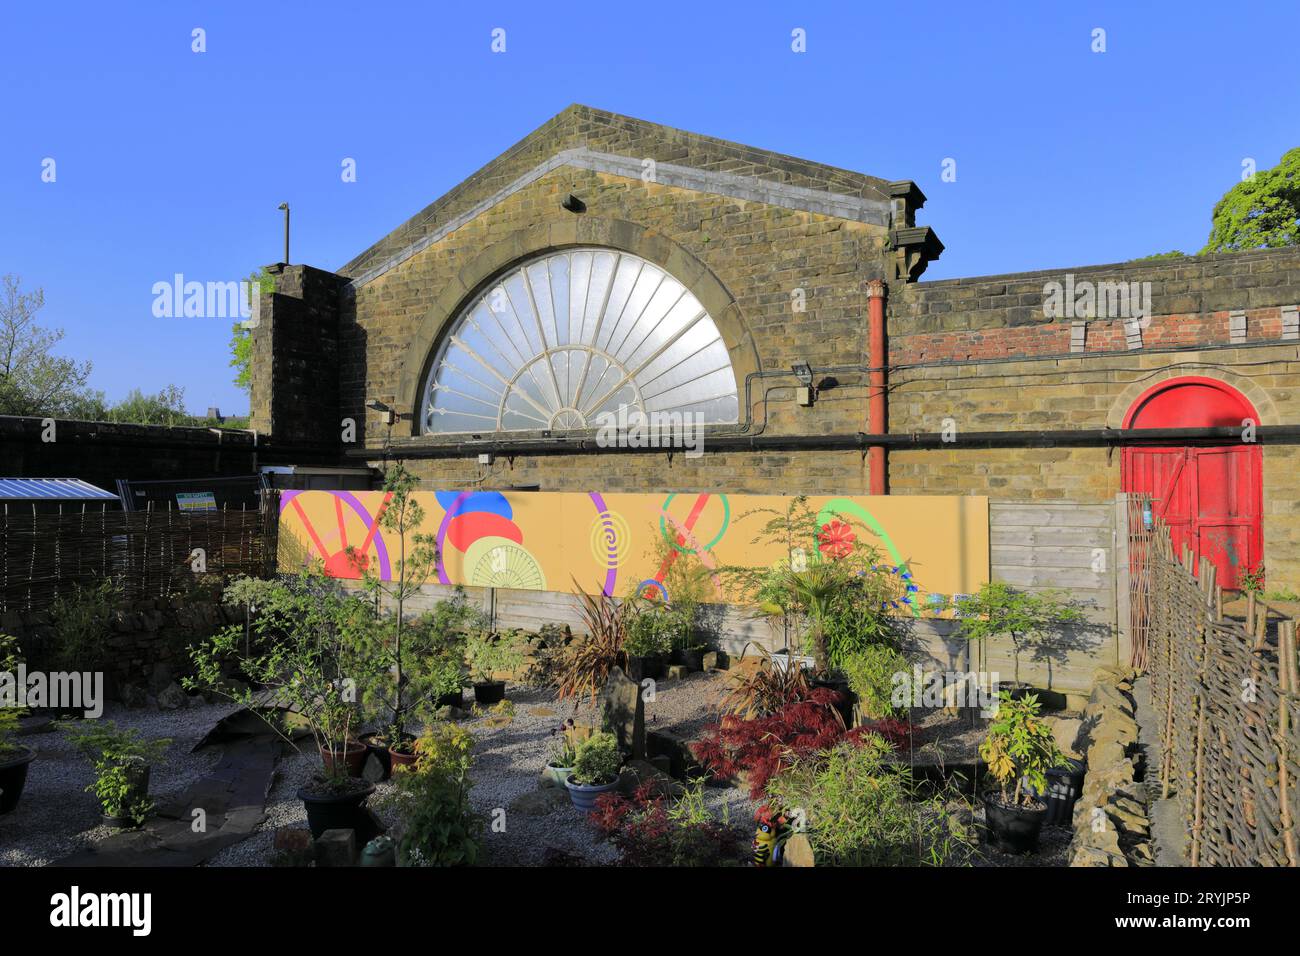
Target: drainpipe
<point x="877" y="360"/>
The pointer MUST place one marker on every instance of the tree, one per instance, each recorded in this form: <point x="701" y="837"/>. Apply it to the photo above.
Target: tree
<point x="33" y="380"/>
<point x="1262" y="212"/>
<point x="999" y="608"/>
<point x="165" y="408"/>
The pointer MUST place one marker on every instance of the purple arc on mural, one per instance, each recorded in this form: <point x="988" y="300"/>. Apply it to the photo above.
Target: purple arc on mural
<point x="611" y="574"/>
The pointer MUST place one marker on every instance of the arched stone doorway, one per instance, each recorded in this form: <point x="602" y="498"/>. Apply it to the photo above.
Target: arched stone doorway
<point x="1210" y="495"/>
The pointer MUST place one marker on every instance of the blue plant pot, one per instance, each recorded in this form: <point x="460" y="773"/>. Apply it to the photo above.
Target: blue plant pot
<point x="584" y="795"/>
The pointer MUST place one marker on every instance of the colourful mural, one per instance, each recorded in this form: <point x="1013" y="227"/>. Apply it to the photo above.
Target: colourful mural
<point x="612" y="542"/>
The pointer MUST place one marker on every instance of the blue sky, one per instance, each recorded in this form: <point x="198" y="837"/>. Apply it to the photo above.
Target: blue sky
<point x="171" y="161"/>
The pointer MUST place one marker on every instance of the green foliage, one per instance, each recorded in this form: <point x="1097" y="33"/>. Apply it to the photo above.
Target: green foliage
<point x="1262" y="212"/>
<point x="435" y="825"/>
<point x="1026" y="617"/>
<point x="309" y="637"/>
<point x="870" y="673"/>
<point x="1172" y="254"/>
<point x="860" y="808"/>
<point x="33" y="379"/>
<point x="597" y="760"/>
<point x="653" y="628"/>
<point x="80" y="625"/>
<point x="413" y="661"/>
<point x="563" y="746"/>
<point x="1252" y="580"/>
<point x="241" y="336"/>
<point x="1020" y="748"/>
<point x="119" y="758"/>
<point x="836" y="598"/>
<point x="10" y="658"/>
<point x="490" y="654"/>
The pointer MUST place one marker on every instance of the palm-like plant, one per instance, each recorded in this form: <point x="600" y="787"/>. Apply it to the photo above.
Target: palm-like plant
<point x="812" y="590"/>
<point x="587" y="664"/>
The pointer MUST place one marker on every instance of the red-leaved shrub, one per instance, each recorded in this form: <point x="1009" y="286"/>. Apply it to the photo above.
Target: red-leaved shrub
<point x="762" y="747"/>
<point x="646" y="833"/>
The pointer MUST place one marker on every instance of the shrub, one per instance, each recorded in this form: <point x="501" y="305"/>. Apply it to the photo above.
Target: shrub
<point x="870" y="674"/>
<point x="762" y="747"/>
<point x="309" y="651"/>
<point x="489" y="654"/>
<point x="117" y="756"/>
<point x="436" y="826"/>
<point x="79" y="625"/>
<point x="651" y="629"/>
<point x="763" y="690"/>
<point x="861" y="809"/>
<point x="1020" y="747"/>
<point x="999" y="608"/>
<point x="597" y="760"/>
<point x="648" y="830"/>
<point x="586" y="663"/>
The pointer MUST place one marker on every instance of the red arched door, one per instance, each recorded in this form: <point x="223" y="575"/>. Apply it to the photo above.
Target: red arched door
<point x="1209" y="495"/>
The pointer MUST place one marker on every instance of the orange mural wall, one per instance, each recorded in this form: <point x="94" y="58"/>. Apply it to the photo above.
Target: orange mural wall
<point x="612" y="542"/>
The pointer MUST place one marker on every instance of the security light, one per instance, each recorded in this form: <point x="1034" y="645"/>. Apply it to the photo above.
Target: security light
<point x="803" y="372"/>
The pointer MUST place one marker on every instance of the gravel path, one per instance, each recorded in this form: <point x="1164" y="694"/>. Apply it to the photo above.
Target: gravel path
<point x="57" y="816"/>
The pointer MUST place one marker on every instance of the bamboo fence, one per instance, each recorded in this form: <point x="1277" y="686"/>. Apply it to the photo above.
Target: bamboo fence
<point x="1225" y="694"/>
<point x="150" y="553"/>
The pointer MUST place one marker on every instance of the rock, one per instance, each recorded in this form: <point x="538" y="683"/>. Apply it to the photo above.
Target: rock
<point x="540" y="803"/>
<point x="336" y="848"/>
<point x="623" y="712"/>
<point x="638" y="772"/>
<point x="798" y="851"/>
<point x="541" y="712"/>
<point x="133" y="696"/>
<point x="372" y="771"/>
<point x="662" y="762"/>
<point x="677" y="672"/>
<point x="172" y="697"/>
<point x="160" y="679"/>
<point x="710" y="660"/>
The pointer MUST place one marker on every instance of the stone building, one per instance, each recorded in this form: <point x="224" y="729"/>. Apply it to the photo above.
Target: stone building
<point x="744" y="286"/>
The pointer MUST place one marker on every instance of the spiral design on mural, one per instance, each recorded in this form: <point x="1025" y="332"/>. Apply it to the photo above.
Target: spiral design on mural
<point x="610" y="539"/>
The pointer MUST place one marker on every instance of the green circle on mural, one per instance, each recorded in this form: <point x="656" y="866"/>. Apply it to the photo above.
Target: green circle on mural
<point x="663" y="527"/>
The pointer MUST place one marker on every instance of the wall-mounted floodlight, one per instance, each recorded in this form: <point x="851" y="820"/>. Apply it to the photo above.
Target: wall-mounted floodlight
<point x="386" y="413"/>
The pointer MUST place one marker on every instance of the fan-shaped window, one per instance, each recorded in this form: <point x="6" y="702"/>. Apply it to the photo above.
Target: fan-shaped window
<point x="562" y="339"/>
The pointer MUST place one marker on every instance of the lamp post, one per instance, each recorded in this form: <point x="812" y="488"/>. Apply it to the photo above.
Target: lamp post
<point x="285" y="207"/>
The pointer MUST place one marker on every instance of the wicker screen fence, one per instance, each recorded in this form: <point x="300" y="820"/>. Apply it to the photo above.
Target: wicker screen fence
<point x="150" y="553"/>
<point x="1224" y="692"/>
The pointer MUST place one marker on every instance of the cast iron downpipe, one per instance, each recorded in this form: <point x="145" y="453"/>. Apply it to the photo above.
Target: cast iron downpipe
<point x="877" y="359"/>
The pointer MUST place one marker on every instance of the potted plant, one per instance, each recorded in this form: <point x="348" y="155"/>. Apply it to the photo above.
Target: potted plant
<point x="392" y="747"/>
<point x="14" y="757"/>
<point x="650" y="631"/>
<point x="564" y="754"/>
<point x="432" y="822"/>
<point x="488" y="656"/>
<point x="1019" y="750"/>
<point x="308" y="654"/>
<point x="999" y="608"/>
<point x="122" y="759"/>
<point x="595" y="770"/>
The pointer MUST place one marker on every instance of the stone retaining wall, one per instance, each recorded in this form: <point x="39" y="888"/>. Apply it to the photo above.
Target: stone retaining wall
<point x="1111" y="826"/>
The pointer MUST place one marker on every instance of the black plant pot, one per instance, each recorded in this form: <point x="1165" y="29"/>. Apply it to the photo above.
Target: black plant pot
<point x="454" y="699"/>
<point x="1012" y="829"/>
<point x="1017" y="689"/>
<point x="1064" y="784"/>
<point x="841" y="686"/>
<point x="649" y="666"/>
<point x="490" y="693"/>
<point x="335" y="811"/>
<point x="13" y="777"/>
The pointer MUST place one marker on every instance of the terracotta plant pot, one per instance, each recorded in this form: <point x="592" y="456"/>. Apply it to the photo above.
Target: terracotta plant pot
<point x="353" y="757"/>
<point x="13" y="777"/>
<point x="399" y="759"/>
